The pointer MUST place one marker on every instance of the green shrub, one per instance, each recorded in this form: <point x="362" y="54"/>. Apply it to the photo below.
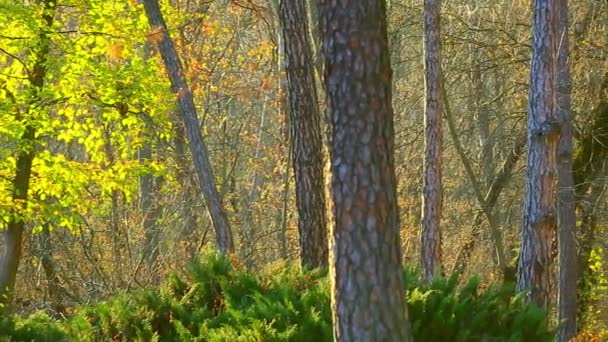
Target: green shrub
<point x="442" y="312"/>
<point x="216" y="302"/>
<point x="37" y="327"/>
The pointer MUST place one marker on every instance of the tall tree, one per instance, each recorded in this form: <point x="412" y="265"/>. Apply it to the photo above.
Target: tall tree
<point x="539" y="217"/>
<point x="12" y="235"/>
<point x="307" y="142"/>
<point x="566" y="198"/>
<point x="198" y="148"/>
<point x="432" y="193"/>
<point x="368" y="298"/>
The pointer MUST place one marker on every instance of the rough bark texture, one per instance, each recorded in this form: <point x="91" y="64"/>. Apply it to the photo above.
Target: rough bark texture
<point x="539" y="217"/>
<point x="566" y="199"/>
<point x="433" y="139"/>
<point x="200" y="154"/>
<point x="368" y="297"/>
<point x="305" y="134"/>
<point x="12" y="235"/>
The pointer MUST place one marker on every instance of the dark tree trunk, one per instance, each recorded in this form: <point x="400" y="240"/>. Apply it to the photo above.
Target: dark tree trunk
<point x="307" y="144"/>
<point x="12" y="235"/>
<point x="566" y="199"/>
<point x="539" y="217"/>
<point x="432" y="194"/>
<point x="198" y="148"/>
<point x="367" y="290"/>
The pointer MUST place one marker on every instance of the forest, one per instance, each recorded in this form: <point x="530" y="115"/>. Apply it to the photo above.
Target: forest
<point x="293" y="170"/>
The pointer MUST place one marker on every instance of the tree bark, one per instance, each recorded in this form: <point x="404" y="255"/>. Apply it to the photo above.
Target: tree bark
<point x="307" y="144"/>
<point x="539" y="217"/>
<point x="566" y="198"/>
<point x="367" y="291"/>
<point x="198" y="148"/>
<point x="433" y="140"/>
<point x="12" y="235"/>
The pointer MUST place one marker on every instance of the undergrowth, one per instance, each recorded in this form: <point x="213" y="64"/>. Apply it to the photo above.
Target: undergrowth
<point x="215" y="301"/>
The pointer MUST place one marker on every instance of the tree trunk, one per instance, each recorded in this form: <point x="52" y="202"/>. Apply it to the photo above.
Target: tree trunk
<point x="187" y="185"/>
<point x="198" y="148"/>
<point x="566" y="199"/>
<point x="476" y="104"/>
<point x="307" y="144"/>
<point x="45" y="254"/>
<point x="367" y="290"/>
<point x="498" y="184"/>
<point x="12" y="235"/>
<point x="539" y="217"/>
<point x="433" y="139"/>
<point x="148" y="188"/>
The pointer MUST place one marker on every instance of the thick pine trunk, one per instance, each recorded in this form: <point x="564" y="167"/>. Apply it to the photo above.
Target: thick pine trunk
<point x="432" y="190"/>
<point x="367" y="291"/>
<point x="539" y="216"/>
<point x="198" y="148"/>
<point x="306" y="137"/>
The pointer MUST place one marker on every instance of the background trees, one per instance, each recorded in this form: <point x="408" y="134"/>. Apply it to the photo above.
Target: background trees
<point x="103" y="98"/>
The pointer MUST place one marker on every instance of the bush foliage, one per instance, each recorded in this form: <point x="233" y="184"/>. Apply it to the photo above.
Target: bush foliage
<point x="215" y="301"/>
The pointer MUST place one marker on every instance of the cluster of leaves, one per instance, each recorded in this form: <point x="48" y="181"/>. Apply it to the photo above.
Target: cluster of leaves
<point x="101" y="99"/>
<point x="219" y="302"/>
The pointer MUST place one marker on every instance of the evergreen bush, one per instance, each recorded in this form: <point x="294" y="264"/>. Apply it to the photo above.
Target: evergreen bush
<point x="216" y="301"/>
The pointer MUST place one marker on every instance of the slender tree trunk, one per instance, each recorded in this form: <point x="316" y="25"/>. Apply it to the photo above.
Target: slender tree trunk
<point x="187" y="185"/>
<point x="12" y="235"/>
<point x="539" y="217"/>
<point x="566" y="199"/>
<point x="476" y="105"/>
<point x="198" y="148"/>
<point x="433" y="140"/>
<point x="485" y="208"/>
<point x="283" y="212"/>
<point x="307" y="144"/>
<point x="247" y="232"/>
<point x="46" y="259"/>
<point x="498" y="184"/>
<point x="367" y="290"/>
<point x="148" y="185"/>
